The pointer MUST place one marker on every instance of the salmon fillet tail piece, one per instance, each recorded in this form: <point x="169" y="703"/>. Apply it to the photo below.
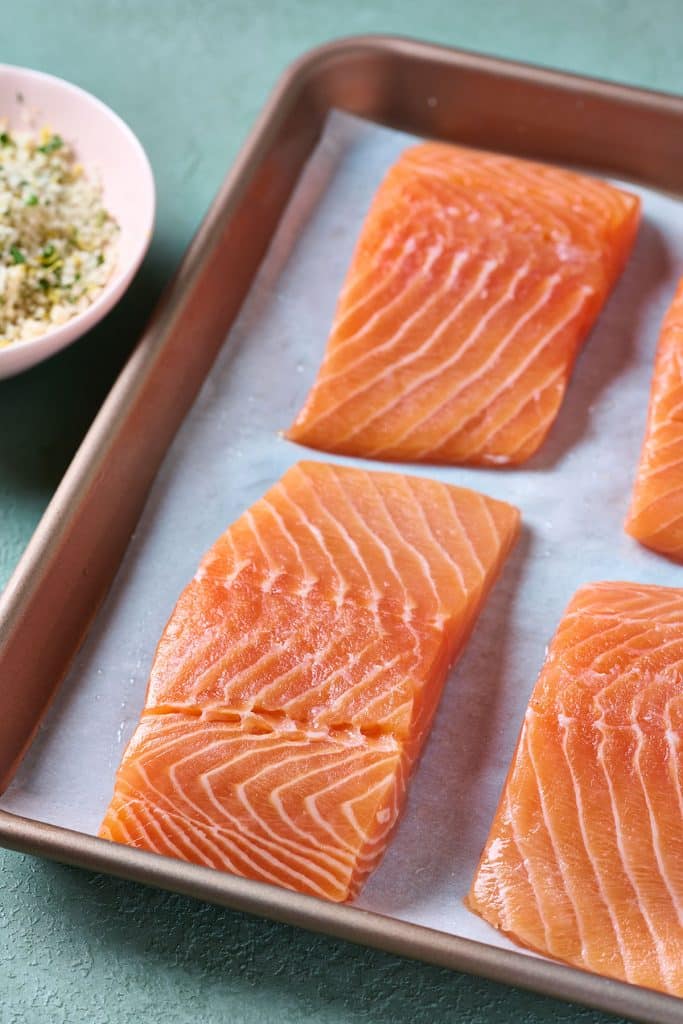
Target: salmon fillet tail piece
<point x="296" y="680"/>
<point x="656" y="514"/>
<point x="584" y="861"/>
<point x="474" y="283"/>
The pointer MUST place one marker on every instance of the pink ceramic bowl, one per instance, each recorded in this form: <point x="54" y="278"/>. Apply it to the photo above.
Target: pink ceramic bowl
<point x="105" y="145"/>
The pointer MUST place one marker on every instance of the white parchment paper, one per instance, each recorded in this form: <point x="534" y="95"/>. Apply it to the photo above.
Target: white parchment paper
<point x="573" y="496"/>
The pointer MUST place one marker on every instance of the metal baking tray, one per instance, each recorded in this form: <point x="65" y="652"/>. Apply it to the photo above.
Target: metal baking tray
<point x="60" y="582"/>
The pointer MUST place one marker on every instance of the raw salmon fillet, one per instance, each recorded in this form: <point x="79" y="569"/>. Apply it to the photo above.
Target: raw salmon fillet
<point x="584" y="861"/>
<point x="656" y="514"/>
<point x="297" y="677"/>
<point x="475" y="280"/>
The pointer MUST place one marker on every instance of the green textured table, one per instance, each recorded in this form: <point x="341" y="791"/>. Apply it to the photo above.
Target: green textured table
<point x="190" y="79"/>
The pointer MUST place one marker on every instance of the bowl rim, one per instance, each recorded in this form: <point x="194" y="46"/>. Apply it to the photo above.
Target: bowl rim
<point x="62" y="334"/>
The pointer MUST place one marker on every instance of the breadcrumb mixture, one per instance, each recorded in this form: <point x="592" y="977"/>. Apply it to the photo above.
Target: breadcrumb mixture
<point x="57" y="246"/>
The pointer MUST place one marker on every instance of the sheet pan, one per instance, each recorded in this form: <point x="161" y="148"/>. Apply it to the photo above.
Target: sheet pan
<point x="227" y="451"/>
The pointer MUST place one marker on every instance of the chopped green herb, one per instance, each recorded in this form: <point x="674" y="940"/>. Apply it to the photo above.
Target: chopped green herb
<point x="5" y="139"/>
<point x="49" y="256"/>
<point x="53" y="144"/>
<point x="100" y="259"/>
<point x="17" y="255"/>
<point x="32" y="200"/>
<point x="44" y="283"/>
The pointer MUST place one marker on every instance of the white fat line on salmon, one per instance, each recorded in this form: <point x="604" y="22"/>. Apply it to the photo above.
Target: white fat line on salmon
<point x="605" y="633"/>
<point x="326" y="378"/>
<point x="663" y="496"/>
<point x="626" y="957"/>
<point x="395" y="713"/>
<point x="557" y="380"/>
<point x="328" y="681"/>
<point x="385" y="763"/>
<point x="653" y="449"/>
<point x="642" y="610"/>
<point x="409" y="604"/>
<point x="526" y="863"/>
<point x="576" y="189"/>
<point x="462" y="531"/>
<point x="416" y="284"/>
<point x="318" y="537"/>
<point x="272" y="839"/>
<point x="204" y="570"/>
<point x="457" y="263"/>
<point x="351" y="545"/>
<point x="664" y="967"/>
<point x="489" y="886"/>
<point x="375" y="673"/>
<point x="583" y="293"/>
<point x="451" y="360"/>
<point x="240" y="564"/>
<point x="274" y="570"/>
<point x="472" y="546"/>
<point x="505" y="342"/>
<point x="409" y="247"/>
<point x="654" y="827"/>
<point x="673" y="410"/>
<point x="164" y="804"/>
<point x="251" y="643"/>
<point x="188" y="841"/>
<point x="384" y="783"/>
<point x="460" y="260"/>
<point x="349" y="813"/>
<point x="532" y="440"/>
<point x="303" y="661"/>
<point x="128" y="810"/>
<point x="515" y="177"/>
<point x="356" y="279"/>
<point x="419" y="513"/>
<point x="552" y="840"/>
<point x="232" y="851"/>
<point x="640" y="658"/>
<point x="310" y="578"/>
<point x="673" y="741"/>
<point x="262" y="658"/>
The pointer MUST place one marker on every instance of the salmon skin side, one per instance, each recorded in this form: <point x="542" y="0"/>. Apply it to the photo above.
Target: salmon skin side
<point x="475" y="281"/>
<point x="584" y="860"/>
<point x="655" y="517"/>
<point x="296" y="680"/>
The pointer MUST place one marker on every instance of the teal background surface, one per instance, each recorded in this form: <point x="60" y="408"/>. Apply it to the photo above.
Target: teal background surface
<point x="190" y="78"/>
